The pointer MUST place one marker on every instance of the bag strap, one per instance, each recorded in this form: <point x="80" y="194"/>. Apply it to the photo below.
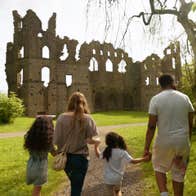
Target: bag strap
<point x="67" y="144"/>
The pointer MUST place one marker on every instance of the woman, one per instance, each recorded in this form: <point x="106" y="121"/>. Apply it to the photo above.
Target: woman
<point x="76" y="129"/>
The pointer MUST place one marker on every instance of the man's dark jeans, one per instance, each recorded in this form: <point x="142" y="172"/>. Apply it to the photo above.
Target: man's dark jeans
<point x="76" y="168"/>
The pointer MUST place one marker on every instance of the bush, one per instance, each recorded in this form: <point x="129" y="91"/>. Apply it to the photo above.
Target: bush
<point x="10" y="108"/>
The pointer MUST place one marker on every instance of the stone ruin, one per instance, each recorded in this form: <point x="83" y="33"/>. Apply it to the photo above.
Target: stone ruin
<point x="107" y="76"/>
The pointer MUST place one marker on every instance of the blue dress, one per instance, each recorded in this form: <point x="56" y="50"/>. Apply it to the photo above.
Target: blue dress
<point x="37" y="168"/>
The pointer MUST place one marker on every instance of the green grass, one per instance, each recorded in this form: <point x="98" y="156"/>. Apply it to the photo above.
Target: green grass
<point x="134" y="137"/>
<point x="20" y="124"/>
<point x="13" y="167"/>
<point x="119" y="117"/>
<point x="102" y="119"/>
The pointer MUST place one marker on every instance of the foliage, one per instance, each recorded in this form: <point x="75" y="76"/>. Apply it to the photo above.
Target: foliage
<point x="10" y="108"/>
<point x="187" y="81"/>
<point x="134" y="137"/>
<point x="194" y="7"/>
<point x="187" y="85"/>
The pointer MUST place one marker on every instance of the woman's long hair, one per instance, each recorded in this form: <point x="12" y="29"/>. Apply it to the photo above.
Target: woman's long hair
<point x="40" y="135"/>
<point x="113" y="140"/>
<point x="78" y="105"/>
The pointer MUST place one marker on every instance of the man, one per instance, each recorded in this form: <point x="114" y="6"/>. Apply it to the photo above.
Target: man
<point x="172" y="112"/>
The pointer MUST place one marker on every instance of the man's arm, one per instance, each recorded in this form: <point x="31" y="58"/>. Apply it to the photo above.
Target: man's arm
<point x="150" y="132"/>
<point x="190" y="118"/>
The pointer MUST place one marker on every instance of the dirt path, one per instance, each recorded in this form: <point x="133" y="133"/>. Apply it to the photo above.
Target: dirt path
<point x="21" y="134"/>
<point x="93" y="186"/>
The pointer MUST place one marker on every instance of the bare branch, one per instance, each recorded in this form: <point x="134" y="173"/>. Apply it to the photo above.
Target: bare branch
<point x="142" y="14"/>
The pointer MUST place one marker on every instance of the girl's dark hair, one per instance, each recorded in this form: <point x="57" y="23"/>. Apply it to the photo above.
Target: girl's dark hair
<point x="40" y="135"/>
<point x="113" y="140"/>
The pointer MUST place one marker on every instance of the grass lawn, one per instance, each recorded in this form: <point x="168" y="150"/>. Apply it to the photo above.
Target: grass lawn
<point x="102" y="119"/>
<point x="134" y="137"/>
<point x="13" y="167"/>
<point x="20" y="124"/>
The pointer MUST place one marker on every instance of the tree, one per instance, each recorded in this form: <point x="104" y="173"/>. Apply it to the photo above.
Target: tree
<point x="177" y="8"/>
<point x="184" y="8"/>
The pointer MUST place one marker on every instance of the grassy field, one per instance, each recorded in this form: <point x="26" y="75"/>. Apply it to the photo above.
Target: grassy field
<point x="135" y="139"/>
<point x="102" y="119"/>
<point x="20" y="124"/>
<point x="12" y="170"/>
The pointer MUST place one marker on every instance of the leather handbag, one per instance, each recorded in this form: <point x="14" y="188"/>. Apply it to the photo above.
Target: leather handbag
<point x="60" y="160"/>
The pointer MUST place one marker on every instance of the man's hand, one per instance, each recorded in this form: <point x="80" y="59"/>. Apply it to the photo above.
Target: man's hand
<point x="147" y="157"/>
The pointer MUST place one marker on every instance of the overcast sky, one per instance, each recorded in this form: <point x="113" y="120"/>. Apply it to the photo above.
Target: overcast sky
<point x="71" y="22"/>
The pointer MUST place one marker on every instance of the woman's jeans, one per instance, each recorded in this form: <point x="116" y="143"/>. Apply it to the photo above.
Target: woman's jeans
<point x="76" y="168"/>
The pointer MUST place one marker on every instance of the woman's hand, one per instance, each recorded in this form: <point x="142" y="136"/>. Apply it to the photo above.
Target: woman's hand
<point x="95" y="141"/>
<point x="147" y="157"/>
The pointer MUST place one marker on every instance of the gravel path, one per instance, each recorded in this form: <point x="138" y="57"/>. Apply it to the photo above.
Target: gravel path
<point x="93" y="186"/>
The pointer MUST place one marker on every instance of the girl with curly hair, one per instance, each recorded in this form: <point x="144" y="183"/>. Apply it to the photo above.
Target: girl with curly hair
<point x="116" y="158"/>
<point x="38" y="141"/>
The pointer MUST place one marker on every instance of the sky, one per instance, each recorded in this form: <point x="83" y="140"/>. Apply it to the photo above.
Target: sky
<point x="72" y="22"/>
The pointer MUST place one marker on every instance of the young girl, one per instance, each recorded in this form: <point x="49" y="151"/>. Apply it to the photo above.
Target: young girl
<point x="116" y="158"/>
<point x="38" y="141"/>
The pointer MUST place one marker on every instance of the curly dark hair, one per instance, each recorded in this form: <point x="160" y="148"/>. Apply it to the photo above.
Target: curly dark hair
<point x="113" y="140"/>
<point x="39" y="137"/>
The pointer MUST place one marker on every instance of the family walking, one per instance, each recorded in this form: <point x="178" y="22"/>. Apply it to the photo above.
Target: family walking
<point x="170" y="111"/>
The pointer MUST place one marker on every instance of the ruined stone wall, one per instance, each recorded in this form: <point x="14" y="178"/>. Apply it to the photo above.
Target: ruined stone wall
<point x="107" y="76"/>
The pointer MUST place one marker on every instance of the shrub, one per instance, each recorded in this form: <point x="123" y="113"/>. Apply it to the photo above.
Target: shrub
<point x="10" y="108"/>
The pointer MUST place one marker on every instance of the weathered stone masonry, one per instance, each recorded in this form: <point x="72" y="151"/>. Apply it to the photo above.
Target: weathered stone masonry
<point x="107" y="76"/>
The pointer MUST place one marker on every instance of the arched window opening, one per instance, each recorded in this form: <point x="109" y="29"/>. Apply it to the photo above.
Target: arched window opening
<point x="19" y="25"/>
<point x="121" y="66"/>
<point x="68" y="80"/>
<point x="173" y="63"/>
<point x="45" y="76"/>
<point x="45" y="52"/>
<point x="108" y="53"/>
<point x="93" y="65"/>
<point x="20" y="78"/>
<point x="77" y="55"/>
<point x="94" y="51"/>
<point x="21" y="53"/>
<point x="101" y="52"/>
<point x="39" y="34"/>
<point x="65" y="53"/>
<point x="168" y="51"/>
<point x="147" y="81"/>
<point x="109" y="66"/>
<point x="157" y="81"/>
<point x="115" y="54"/>
<point x="122" y="55"/>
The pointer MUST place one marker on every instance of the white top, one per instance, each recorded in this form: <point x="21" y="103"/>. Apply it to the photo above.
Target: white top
<point x="172" y="108"/>
<point x="114" y="168"/>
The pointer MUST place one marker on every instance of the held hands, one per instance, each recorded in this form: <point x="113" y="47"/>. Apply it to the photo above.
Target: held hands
<point x="147" y="156"/>
<point x="97" y="142"/>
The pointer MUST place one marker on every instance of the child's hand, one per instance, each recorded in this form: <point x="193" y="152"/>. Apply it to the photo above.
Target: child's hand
<point x="147" y="157"/>
<point x="97" y="142"/>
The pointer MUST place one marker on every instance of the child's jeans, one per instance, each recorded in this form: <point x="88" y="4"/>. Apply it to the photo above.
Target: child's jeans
<point x="76" y="168"/>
